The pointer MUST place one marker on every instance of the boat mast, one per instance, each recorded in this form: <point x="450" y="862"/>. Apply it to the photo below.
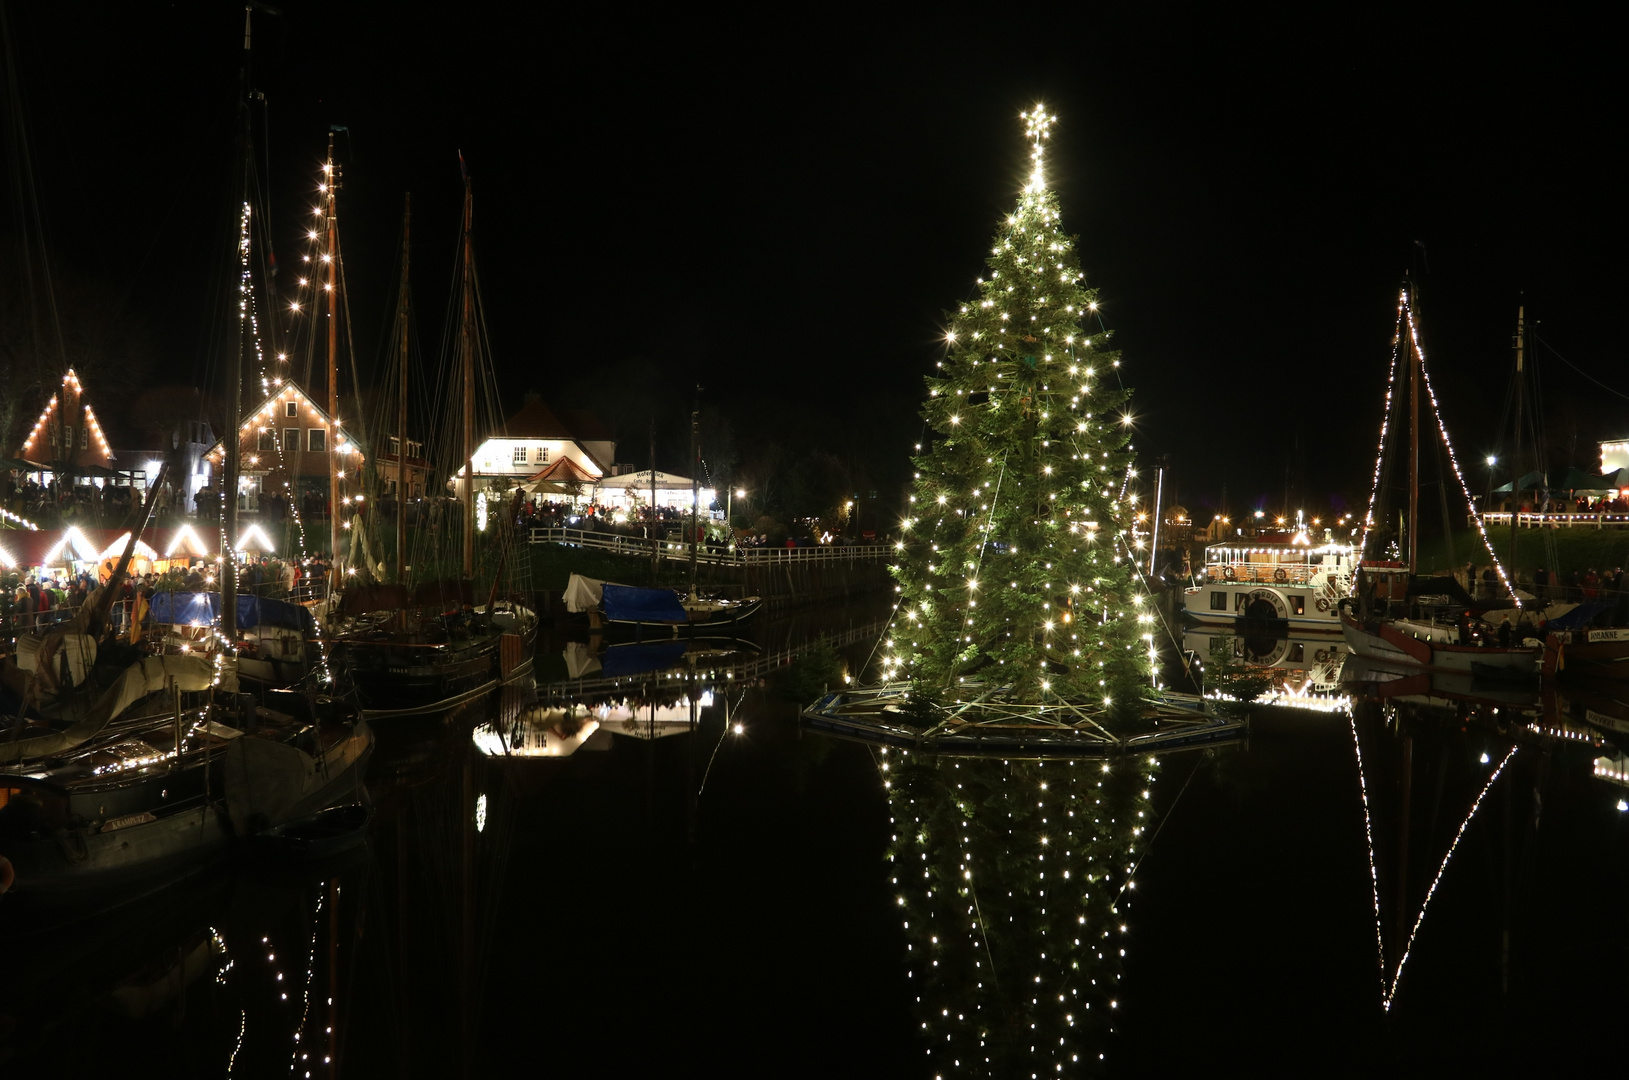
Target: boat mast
<point x="1412" y="551"/>
<point x="232" y="444"/>
<point x="1516" y="459"/>
<point x="467" y="348"/>
<point x="695" y="486"/>
<point x="331" y="177"/>
<point x="401" y="403"/>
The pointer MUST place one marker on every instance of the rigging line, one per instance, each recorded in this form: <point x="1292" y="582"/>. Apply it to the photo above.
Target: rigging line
<point x="1166" y="626"/>
<point x="1579" y="370"/>
<point x="1385" y="425"/>
<point x="1149" y="846"/>
<point x="1368" y="836"/>
<point x="350" y="345"/>
<point x="1398" y="974"/>
<point x="714" y="756"/>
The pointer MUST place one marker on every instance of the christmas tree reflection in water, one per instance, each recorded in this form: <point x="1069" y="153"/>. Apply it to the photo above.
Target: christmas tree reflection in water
<point x="1010" y="878"/>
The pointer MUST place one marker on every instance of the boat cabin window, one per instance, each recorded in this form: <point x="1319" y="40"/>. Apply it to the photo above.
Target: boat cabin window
<point x="1218" y="601"/>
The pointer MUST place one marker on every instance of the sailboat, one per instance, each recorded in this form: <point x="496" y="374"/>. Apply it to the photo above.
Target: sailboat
<point x="1394" y="616"/>
<point x="427" y="646"/>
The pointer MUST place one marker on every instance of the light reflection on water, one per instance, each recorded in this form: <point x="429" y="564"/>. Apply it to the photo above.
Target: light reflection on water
<point x="596" y="868"/>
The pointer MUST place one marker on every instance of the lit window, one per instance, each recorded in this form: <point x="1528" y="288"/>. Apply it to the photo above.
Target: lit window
<point x="542" y="455"/>
<point x="519" y="456"/>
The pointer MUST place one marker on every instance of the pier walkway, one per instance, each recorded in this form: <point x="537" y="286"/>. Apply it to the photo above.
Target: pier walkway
<point x="826" y="554"/>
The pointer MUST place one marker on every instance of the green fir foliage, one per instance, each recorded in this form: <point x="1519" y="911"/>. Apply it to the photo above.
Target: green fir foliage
<point x="1016" y="576"/>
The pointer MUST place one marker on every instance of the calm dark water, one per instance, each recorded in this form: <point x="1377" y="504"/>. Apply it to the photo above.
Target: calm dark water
<point x="608" y="920"/>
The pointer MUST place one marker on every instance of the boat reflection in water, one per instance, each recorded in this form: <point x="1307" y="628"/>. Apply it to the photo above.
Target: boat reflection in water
<point x="1469" y="742"/>
<point x="1013" y="882"/>
<point x="1303" y="669"/>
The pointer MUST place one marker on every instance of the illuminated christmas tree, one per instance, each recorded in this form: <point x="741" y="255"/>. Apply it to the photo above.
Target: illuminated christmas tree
<point x="1017" y="580"/>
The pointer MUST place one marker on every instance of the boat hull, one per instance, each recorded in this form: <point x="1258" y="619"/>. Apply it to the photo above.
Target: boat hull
<point x="138" y="841"/>
<point x="1240" y="604"/>
<point x="392" y="677"/>
<point x="1386" y="643"/>
<point x="1591" y="654"/>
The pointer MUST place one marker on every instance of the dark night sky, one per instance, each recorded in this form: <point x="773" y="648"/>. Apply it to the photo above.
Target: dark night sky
<point x="781" y="209"/>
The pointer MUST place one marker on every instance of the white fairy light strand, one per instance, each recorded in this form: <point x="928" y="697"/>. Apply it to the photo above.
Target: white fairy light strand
<point x="1477" y="805"/>
<point x="1385" y="424"/>
<point x="1374" y="872"/>
<point x="1454" y="461"/>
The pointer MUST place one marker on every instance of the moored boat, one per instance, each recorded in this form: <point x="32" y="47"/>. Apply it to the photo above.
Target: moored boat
<point x="1281" y="583"/>
<point x="611" y="605"/>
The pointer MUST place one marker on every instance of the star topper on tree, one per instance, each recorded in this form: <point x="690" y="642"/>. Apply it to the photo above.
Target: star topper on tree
<point x="1017" y="583"/>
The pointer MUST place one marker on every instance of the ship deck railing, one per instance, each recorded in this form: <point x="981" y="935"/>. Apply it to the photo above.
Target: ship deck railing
<point x="1261" y="573"/>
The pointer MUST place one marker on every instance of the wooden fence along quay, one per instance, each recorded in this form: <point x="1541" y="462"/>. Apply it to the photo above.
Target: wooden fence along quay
<point x="781" y="575"/>
<point x="1534" y="520"/>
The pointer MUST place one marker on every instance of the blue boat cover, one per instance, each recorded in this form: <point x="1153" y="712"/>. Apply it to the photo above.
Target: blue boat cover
<point x="205" y="608"/>
<point x="620" y="661"/>
<point x="626" y="604"/>
<point x="1579" y="617"/>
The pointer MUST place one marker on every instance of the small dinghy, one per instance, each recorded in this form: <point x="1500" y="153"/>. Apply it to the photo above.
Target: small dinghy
<point x="329" y="832"/>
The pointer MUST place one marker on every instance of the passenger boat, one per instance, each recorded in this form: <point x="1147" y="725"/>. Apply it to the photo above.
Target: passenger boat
<point x="1281" y="583"/>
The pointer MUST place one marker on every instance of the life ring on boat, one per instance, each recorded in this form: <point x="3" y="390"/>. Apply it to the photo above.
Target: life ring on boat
<point x="8" y="876"/>
<point x="1323" y="603"/>
<point x="1280" y="575"/>
<point x="1322" y="656"/>
<point x="1228" y="573"/>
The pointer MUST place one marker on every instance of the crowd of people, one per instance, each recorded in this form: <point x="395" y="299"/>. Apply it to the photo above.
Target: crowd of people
<point x="33" y="601"/>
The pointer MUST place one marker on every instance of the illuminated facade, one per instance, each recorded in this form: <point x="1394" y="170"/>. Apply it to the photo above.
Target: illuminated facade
<point x="534" y="439"/>
<point x="287" y="438"/>
<point x="67" y="430"/>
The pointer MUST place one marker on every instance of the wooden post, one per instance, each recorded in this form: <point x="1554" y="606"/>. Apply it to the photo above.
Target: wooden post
<point x="401" y="404"/>
<point x="467" y="349"/>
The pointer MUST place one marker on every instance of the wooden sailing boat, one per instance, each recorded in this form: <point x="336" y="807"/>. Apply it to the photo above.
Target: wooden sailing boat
<point x="1393" y="617"/>
<point x="427" y="646"/>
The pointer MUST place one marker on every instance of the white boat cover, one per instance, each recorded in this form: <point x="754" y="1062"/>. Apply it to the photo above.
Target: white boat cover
<point x="583" y="593"/>
<point x="80" y="649"/>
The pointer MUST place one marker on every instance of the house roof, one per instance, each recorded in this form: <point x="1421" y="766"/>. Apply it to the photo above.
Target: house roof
<point x="536" y="421"/>
<point x="586" y="426"/>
